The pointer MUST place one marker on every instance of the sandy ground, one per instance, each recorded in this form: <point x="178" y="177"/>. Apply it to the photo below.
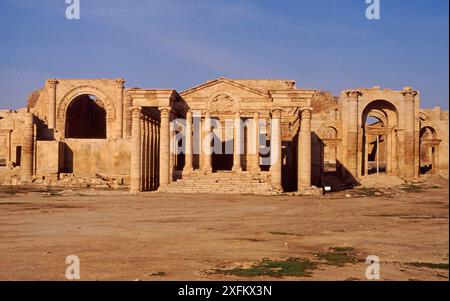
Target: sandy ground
<point x="181" y="237"/>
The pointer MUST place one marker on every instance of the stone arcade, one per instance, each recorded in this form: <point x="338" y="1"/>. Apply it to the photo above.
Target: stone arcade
<point x="278" y="137"/>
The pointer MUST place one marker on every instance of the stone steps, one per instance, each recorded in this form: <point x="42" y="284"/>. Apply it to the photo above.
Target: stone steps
<point x="223" y="183"/>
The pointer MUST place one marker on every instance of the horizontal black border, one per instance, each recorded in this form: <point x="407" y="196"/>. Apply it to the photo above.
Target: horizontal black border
<point x="290" y="290"/>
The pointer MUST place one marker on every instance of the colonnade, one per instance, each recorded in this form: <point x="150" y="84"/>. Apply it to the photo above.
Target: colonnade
<point x="152" y="142"/>
<point x="145" y="158"/>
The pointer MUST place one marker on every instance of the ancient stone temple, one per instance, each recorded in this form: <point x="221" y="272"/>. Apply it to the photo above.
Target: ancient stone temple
<point x="225" y="136"/>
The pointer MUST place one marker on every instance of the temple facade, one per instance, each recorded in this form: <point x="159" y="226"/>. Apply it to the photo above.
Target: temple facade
<point x="223" y="136"/>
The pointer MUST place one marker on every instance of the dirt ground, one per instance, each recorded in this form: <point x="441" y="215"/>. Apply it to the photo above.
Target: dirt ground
<point x="156" y="236"/>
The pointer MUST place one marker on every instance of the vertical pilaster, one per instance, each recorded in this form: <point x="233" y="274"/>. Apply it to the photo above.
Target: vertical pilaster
<point x="119" y="118"/>
<point x="52" y="84"/>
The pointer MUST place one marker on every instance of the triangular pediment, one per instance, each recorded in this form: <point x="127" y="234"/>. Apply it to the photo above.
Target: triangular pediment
<point x="222" y="83"/>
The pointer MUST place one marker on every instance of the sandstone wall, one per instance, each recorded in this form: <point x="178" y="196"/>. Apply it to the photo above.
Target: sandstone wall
<point x="87" y="158"/>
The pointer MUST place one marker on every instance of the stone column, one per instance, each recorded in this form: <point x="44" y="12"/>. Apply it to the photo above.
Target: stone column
<point x="435" y="162"/>
<point x="352" y="142"/>
<point x="172" y="148"/>
<point x="188" y="166"/>
<point x="8" y="145"/>
<point x="119" y="118"/>
<point x="151" y="154"/>
<point x="409" y="140"/>
<point x="136" y="165"/>
<point x="52" y="83"/>
<point x="255" y="157"/>
<point x="156" y="127"/>
<point x="304" y="150"/>
<point x="27" y="148"/>
<point x="389" y="153"/>
<point x="206" y="143"/>
<point x="366" y="155"/>
<point x="237" y="143"/>
<point x="275" y="149"/>
<point x="164" y="148"/>
<point x="147" y="153"/>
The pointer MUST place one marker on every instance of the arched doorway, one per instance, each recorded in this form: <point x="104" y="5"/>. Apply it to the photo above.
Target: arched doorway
<point x="379" y="141"/>
<point x="86" y="118"/>
<point x="429" y="151"/>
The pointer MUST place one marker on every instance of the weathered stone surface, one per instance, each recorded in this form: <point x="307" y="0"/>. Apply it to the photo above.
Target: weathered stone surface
<point x="316" y="139"/>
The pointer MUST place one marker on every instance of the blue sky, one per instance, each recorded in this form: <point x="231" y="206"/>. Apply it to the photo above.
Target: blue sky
<point x="326" y="44"/>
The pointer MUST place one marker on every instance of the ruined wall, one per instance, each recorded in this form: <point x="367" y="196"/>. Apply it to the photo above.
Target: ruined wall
<point x="87" y="158"/>
<point x="438" y="120"/>
<point x="325" y="146"/>
<point x="11" y="123"/>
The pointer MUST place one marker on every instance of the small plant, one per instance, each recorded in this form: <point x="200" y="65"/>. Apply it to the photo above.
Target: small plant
<point x="437" y="266"/>
<point x="293" y="267"/>
<point x="413" y="188"/>
<point x="369" y="192"/>
<point x="338" y="256"/>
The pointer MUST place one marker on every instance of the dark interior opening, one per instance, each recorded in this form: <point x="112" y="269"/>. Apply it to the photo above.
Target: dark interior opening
<point x="86" y="118"/>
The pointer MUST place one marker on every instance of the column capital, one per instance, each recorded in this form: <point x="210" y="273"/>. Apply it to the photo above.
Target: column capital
<point x="136" y="112"/>
<point x="255" y="115"/>
<point x="409" y="93"/>
<point x="189" y="114"/>
<point x="52" y="82"/>
<point x="353" y="95"/>
<point x="276" y="113"/>
<point x="165" y="111"/>
<point x="306" y="113"/>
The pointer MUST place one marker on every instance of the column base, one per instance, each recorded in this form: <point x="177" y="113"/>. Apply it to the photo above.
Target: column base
<point x="236" y="169"/>
<point x="207" y="170"/>
<point x="134" y="192"/>
<point x="187" y="171"/>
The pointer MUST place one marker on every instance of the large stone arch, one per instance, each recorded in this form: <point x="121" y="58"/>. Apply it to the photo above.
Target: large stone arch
<point x="85" y="90"/>
<point x="379" y="145"/>
<point x="81" y="90"/>
<point x="381" y="108"/>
